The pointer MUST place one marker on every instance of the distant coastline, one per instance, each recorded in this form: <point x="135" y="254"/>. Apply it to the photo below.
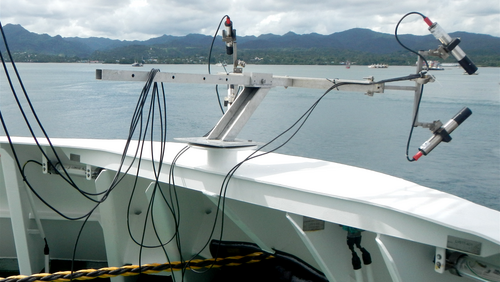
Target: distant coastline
<point x="361" y="46"/>
<point x="216" y="65"/>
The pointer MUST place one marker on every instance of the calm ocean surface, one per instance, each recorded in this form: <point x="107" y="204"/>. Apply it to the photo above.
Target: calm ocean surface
<point x="346" y="127"/>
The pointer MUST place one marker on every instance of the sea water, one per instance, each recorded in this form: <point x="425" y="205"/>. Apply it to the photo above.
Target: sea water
<point x="346" y="127"/>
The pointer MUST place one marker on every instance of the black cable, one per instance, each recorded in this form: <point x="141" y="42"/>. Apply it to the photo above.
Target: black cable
<point x="173" y="195"/>
<point x="299" y="124"/>
<point x="73" y="258"/>
<point x="422" y="86"/>
<point x="66" y="176"/>
<point x="413" y="126"/>
<point x="213" y="40"/>
<point x="137" y="118"/>
<point x="151" y="106"/>
<point x="230" y="174"/>
<point x="176" y="215"/>
<point x="21" y="169"/>
<point x="174" y="209"/>
<point x="156" y="105"/>
<point x="156" y="171"/>
<point x="404" y="46"/>
<point x="210" y="58"/>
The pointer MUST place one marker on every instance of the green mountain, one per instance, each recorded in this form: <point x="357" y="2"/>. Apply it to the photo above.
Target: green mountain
<point x="362" y="46"/>
<point x="21" y="40"/>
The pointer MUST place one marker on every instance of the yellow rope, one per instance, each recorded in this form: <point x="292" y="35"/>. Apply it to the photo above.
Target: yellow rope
<point x="129" y="270"/>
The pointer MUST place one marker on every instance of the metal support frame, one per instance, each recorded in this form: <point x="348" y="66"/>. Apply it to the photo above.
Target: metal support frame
<point x="257" y="85"/>
<point x="418" y="93"/>
<point x="238" y="114"/>
<point x="28" y="247"/>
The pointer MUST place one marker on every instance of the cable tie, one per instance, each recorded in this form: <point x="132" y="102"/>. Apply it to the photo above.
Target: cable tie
<point x="334" y="83"/>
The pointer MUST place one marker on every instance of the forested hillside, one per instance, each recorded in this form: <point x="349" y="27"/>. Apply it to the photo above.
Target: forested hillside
<point x="359" y="46"/>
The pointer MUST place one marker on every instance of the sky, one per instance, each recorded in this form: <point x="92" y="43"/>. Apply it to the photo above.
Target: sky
<point x="144" y="19"/>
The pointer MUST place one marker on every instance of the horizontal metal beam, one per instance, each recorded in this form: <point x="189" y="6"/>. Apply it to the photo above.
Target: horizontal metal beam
<point x="246" y="79"/>
<point x="169" y="77"/>
<point x="324" y="83"/>
<point x="402" y="88"/>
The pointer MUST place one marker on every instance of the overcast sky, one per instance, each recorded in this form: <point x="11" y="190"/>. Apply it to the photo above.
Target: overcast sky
<point x="144" y="19"/>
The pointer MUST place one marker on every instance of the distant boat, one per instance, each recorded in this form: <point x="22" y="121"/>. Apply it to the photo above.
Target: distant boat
<point x="136" y="64"/>
<point x="348" y="65"/>
<point x="434" y="65"/>
<point x="378" y="66"/>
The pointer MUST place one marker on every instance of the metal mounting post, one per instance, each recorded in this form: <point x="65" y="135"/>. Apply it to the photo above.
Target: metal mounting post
<point x="229" y="126"/>
<point x="418" y="95"/>
<point x="238" y="114"/>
